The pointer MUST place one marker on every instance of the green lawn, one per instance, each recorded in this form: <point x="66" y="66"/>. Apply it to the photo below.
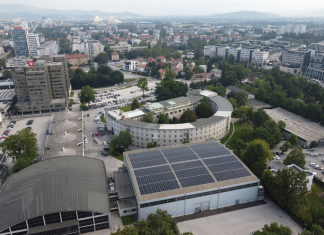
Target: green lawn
<point x="312" y="197"/>
<point x="129" y="80"/>
<point x="72" y="94"/>
<point x="119" y="157"/>
<point x="128" y="220"/>
<point x="237" y="132"/>
<point x="228" y="135"/>
<point x="119" y="66"/>
<point x="128" y="108"/>
<point x="102" y="118"/>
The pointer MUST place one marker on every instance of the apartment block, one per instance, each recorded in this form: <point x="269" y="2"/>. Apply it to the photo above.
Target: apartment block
<point x="78" y="59"/>
<point x="297" y="58"/>
<point x="95" y="48"/>
<point x="33" y="44"/>
<point x="19" y="36"/>
<point x="16" y="62"/>
<point x="316" y="66"/>
<point x="130" y="65"/>
<point x="42" y="85"/>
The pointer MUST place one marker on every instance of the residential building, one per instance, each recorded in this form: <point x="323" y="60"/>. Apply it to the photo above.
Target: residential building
<point x="114" y="56"/>
<point x="216" y="126"/>
<point x="281" y="29"/>
<point x="279" y="166"/>
<point x="259" y="56"/>
<point x="122" y="47"/>
<point x="176" y="65"/>
<point x="204" y="67"/>
<point x="141" y="67"/>
<point x="61" y="198"/>
<point x="95" y="48"/>
<point x="161" y="58"/>
<point x="48" y="48"/>
<point x="130" y="65"/>
<point x="191" y="63"/>
<point x="316" y="66"/>
<point x="216" y="72"/>
<point x="16" y="62"/>
<point x="235" y="51"/>
<point x="33" y="44"/>
<point x="136" y="40"/>
<point x="297" y="58"/>
<point x="142" y="62"/>
<point x="1" y="50"/>
<point x="237" y="90"/>
<point x="162" y="72"/>
<point x="77" y="59"/>
<point x="42" y="85"/>
<point x="21" y="44"/>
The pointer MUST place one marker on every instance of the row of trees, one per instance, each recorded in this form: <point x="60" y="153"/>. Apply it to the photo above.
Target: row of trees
<point x="101" y="77"/>
<point x="275" y="229"/>
<point x="289" y="92"/>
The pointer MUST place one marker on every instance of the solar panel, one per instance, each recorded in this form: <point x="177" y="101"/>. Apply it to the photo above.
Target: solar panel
<point x="146" y="159"/>
<point x="172" y="150"/>
<point x="149" y="163"/>
<point x="207" y="145"/>
<point x="233" y="174"/>
<point x="152" y="170"/>
<point x="196" y="180"/>
<point x="218" y="160"/>
<point x="186" y="165"/>
<point x="225" y="166"/>
<point x="160" y="187"/>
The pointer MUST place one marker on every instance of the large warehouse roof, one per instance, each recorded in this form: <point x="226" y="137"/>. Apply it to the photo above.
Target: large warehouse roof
<point x="297" y="125"/>
<point x="54" y="185"/>
<point x="169" y="171"/>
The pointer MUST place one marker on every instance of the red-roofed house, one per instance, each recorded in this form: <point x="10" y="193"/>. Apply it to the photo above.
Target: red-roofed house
<point x="114" y="56"/>
<point x="191" y="67"/>
<point x="170" y="60"/>
<point x="179" y="71"/>
<point x="141" y="67"/>
<point x="163" y="59"/>
<point x="151" y="60"/>
<point x="142" y="62"/>
<point x="162" y="64"/>
<point x="77" y="59"/>
<point x="191" y="63"/>
<point x="162" y="72"/>
<point x="176" y="65"/>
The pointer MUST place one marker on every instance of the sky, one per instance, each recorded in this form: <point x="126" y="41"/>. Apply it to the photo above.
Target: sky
<point x="176" y="7"/>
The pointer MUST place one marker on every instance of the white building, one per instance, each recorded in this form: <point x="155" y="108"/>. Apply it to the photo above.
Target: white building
<point x="210" y="51"/>
<point x="259" y="56"/>
<point x="281" y="29"/>
<point x="246" y="54"/>
<point x="187" y="179"/>
<point x="130" y="65"/>
<point x="48" y="48"/>
<point x="17" y="62"/>
<point x="235" y="51"/>
<point x="137" y="40"/>
<point x="95" y="48"/>
<point x="302" y="28"/>
<point x="33" y="44"/>
<point x="97" y="19"/>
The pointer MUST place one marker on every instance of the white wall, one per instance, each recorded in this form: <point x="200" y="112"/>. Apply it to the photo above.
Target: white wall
<point x="179" y="208"/>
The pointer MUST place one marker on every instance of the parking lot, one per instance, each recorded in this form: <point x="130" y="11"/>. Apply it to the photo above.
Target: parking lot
<point x="243" y="221"/>
<point x="39" y="127"/>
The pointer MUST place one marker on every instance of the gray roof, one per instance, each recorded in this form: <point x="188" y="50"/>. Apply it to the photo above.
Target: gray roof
<point x="123" y="185"/>
<point x="222" y="103"/>
<point x="206" y="121"/>
<point x="54" y="185"/>
<point x="127" y="203"/>
<point x="238" y="90"/>
<point x="257" y="102"/>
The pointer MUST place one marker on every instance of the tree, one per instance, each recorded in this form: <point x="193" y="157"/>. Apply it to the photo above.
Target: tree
<point x="102" y="58"/>
<point x="293" y="139"/>
<point x="6" y="74"/>
<point x="285" y="146"/>
<point x="152" y="145"/>
<point x="322" y="120"/>
<point x="164" y="119"/>
<point x="241" y="98"/>
<point x="255" y="156"/>
<point x="148" y="118"/>
<point x="169" y="75"/>
<point x="188" y="74"/>
<point x="274" y="229"/>
<point x="158" y="75"/>
<point x="198" y="53"/>
<point x="296" y="157"/>
<point x="124" y="139"/>
<point x="203" y="110"/>
<point x="188" y="116"/>
<point x="244" y="112"/>
<point x="281" y="124"/>
<point x="87" y="94"/>
<point x="127" y="230"/>
<point x="21" y="164"/>
<point x="233" y="102"/>
<point x="220" y="90"/>
<point x="259" y="117"/>
<point x="209" y="67"/>
<point x="22" y="145"/>
<point x="238" y="147"/>
<point x="113" y="144"/>
<point x="315" y="230"/>
<point x="142" y="83"/>
<point x="135" y="104"/>
<point x="274" y="131"/>
<point x="158" y="223"/>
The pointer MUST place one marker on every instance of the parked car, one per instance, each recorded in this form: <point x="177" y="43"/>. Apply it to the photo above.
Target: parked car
<point x="312" y="149"/>
<point x="104" y="153"/>
<point x="96" y="133"/>
<point x="13" y="122"/>
<point x="314" y="154"/>
<point x="106" y="148"/>
<point x="105" y="143"/>
<point x="312" y="164"/>
<point x="30" y="122"/>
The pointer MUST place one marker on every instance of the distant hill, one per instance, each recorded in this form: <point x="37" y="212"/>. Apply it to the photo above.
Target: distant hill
<point x="246" y="15"/>
<point x="35" y="13"/>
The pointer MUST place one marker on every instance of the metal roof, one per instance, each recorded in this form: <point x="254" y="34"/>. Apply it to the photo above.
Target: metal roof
<point x="123" y="185"/>
<point x="238" y="90"/>
<point x="184" y="190"/>
<point x="257" y="102"/>
<point x="54" y="185"/>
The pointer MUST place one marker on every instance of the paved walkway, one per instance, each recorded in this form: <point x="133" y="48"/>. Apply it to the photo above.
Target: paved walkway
<point x="220" y="211"/>
<point x="231" y="134"/>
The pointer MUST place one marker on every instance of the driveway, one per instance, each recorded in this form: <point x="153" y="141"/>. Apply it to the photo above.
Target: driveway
<point x="241" y="222"/>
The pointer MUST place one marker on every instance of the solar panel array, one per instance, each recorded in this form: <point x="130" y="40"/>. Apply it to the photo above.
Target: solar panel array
<point x="185" y="166"/>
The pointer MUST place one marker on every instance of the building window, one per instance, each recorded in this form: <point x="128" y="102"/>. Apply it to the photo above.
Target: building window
<point x="53" y="218"/>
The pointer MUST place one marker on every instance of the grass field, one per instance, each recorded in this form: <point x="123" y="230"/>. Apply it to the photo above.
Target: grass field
<point x="128" y="220"/>
<point x="102" y="118"/>
<point x="128" y="108"/>
<point x="72" y="94"/>
<point x="129" y="80"/>
<point x="119" y="157"/>
<point x="312" y="197"/>
<point x="228" y="135"/>
<point x="237" y="132"/>
<point x="119" y="66"/>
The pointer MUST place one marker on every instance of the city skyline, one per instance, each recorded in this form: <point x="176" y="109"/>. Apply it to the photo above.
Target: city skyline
<point x="169" y="7"/>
